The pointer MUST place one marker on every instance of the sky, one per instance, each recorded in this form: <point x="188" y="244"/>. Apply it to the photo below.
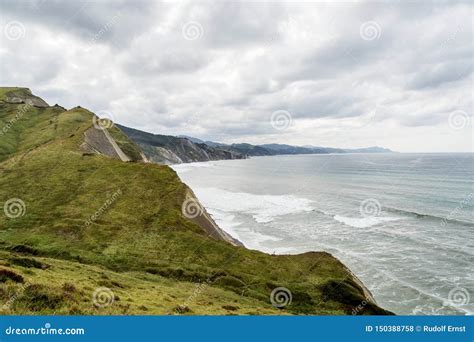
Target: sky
<point x="396" y="74"/>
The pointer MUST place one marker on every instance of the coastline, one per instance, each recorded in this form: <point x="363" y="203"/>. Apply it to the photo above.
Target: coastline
<point x="207" y="223"/>
<point x="262" y="205"/>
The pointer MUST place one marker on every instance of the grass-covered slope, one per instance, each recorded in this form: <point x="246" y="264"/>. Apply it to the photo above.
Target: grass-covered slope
<point x="89" y="224"/>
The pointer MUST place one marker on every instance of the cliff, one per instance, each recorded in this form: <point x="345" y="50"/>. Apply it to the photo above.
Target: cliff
<point x="87" y="232"/>
<point x="166" y="149"/>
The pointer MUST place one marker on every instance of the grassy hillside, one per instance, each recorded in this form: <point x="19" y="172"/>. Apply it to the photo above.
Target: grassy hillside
<point x="91" y="223"/>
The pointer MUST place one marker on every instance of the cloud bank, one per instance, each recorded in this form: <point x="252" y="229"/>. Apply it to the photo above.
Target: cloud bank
<point x="394" y="74"/>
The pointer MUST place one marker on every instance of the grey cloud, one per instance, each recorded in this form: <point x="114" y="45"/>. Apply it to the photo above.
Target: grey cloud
<point x="165" y="62"/>
<point x="439" y="74"/>
<point x="231" y="24"/>
<point x="347" y="53"/>
<point x="19" y="65"/>
<point x="252" y="58"/>
<point x="112" y="22"/>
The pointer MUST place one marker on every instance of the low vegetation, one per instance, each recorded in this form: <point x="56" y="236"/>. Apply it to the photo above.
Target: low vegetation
<point x="89" y="223"/>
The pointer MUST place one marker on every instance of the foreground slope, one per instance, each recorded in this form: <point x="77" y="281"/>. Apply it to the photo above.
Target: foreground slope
<point x="79" y="221"/>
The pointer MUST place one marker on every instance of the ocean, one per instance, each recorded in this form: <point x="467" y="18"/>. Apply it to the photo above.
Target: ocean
<point x="403" y="223"/>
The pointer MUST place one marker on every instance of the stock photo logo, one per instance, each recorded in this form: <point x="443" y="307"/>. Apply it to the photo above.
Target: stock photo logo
<point x="14" y="30"/>
<point x="103" y="120"/>
<point x="192" y="30"/>
<point x="370" y="30"/>
<point x="281" y="120"/>
<point x="102" y="297"/>
<point x="458" y="297"/>
<point x="281" y="297"/>
<point x="111" y="198"/>
<point x="370" y="208"/>
<point x="14" y="208"/>
<point x="191" y="208"/>
<point x="459" y="120"/>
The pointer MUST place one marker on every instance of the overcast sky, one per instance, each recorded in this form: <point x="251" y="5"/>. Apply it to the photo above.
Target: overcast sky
<point x="349" y="74"/>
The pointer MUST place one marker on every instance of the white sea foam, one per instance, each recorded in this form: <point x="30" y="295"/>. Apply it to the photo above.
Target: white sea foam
<point x="253" y="239"/>
<point x="364" y="222"/>
<point x="412" y="248"/>
<point x="226" y="221"/>
<point x="264" y="208"/>
<point x="257" y="241"/>
<point x="186" y="167"/>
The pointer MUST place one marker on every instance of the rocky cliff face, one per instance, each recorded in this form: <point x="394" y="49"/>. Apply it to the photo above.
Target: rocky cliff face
<point x="94" y="220"/>
<point x="166" y="149"/>
<point x="100" y="142"/>
<point x="111" y="142"/>
<point x="24" y="95"/>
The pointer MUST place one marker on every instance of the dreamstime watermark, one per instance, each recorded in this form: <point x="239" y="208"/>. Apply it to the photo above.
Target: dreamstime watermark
<point x="108" y="202"/>
<point x="8" y="304"/>
<point x="370" y="30"/>
<point x="191" y="121"/>
<point x="456" y="210"/>
<point x="370" y="208"/>
<point x="450" y="40"/>
<point x="281" y="120"/>
<point x="191" y="208"/>
<point x="14" y="30"/>
<point x="19" y="114"/>
<point x="281" y="297"/>
<point x="14" y="208"/>
<point x="106" y="28"/>
<point x="458" y="296"/>
<point x="192" y="30"/>
<point x="198" y="289"/>
<point x="46" y="330"/>
<point x="359" y="308"/>
<point x="103" y="120"/>
<point x="102" y="297"/>
<point x="459" y="119"/>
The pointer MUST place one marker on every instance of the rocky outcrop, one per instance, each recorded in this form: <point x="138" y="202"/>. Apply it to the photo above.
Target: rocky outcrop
<point x="160" y="155"/>
<point x="166" y="149"/>
<point x="25" y="96"/>
<point x="98" y="141"/>
<point x="146" y="235"/>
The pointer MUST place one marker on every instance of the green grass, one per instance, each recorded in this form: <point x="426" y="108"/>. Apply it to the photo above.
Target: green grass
<point x="93" y="221"/>
<point x="126" y="145"/>
<point x="68" y="287"/>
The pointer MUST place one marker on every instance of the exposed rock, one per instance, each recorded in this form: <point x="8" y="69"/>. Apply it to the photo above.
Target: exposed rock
<point x="24" y="95"/>
<point x="98" y="141"/>
<point x="201" y="217"/>
<point x="160" y="155"/>
<point x="166" y="149"/>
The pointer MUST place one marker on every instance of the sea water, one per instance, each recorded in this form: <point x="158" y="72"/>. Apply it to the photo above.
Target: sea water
<point x="403" y="223"/>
